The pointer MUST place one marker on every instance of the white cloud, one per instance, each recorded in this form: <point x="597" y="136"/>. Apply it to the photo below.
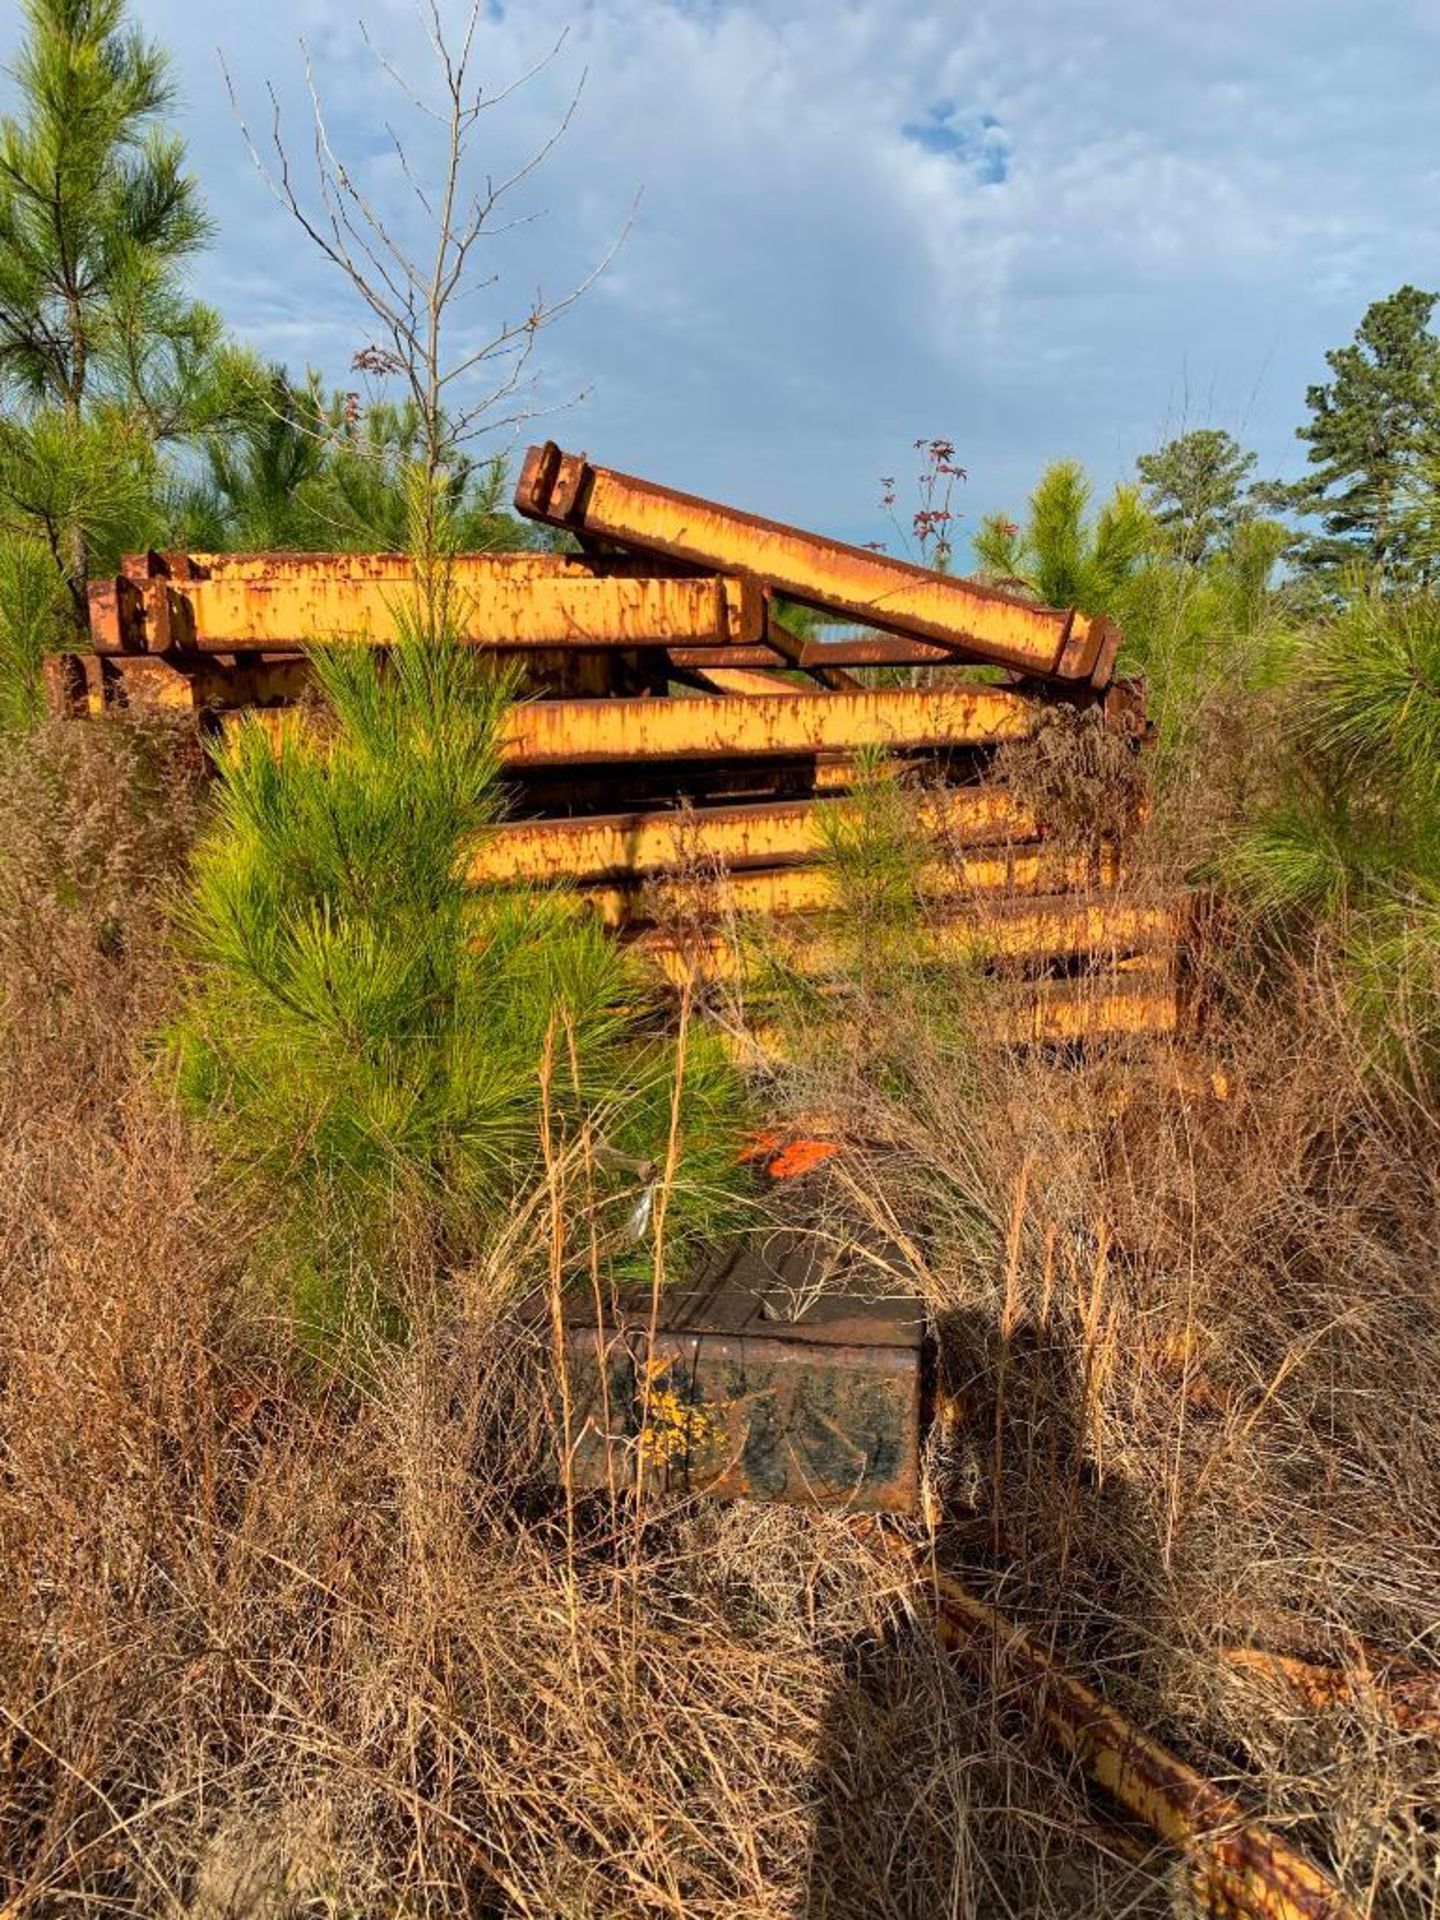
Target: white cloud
<point x="1194" y="204"/>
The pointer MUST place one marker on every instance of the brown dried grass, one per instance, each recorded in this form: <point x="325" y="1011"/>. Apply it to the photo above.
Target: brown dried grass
<point x="280" y="1639"/>
<point x="277" y="1640"/>
<point x="1189" y="1304"/>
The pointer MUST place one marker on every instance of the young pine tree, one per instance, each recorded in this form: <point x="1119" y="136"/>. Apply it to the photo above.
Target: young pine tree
<point x="1197" y="486"/>
<point x="1352" y="845"/>
<point x="393" y="1058"/>
<point x="1062" y="556"/>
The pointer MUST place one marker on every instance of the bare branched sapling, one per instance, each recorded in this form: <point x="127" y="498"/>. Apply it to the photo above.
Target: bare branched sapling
<point x="463" y="380"/>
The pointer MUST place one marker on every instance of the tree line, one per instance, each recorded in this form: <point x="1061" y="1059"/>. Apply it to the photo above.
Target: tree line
<point x="129" y="417"/>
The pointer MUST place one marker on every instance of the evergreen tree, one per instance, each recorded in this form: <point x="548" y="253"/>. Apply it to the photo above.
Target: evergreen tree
<point x="101" y="356"/>
<point x="359" y="497"/>
<point x="367" y="1033"/>
<point x="1353" y="838"/>
<point x="1061" y="556"/>
<point x="1372" y="434"/>
<point x="298" y="471"/>
<point x="1196" y="488"/>
<point x="257" y="468"/>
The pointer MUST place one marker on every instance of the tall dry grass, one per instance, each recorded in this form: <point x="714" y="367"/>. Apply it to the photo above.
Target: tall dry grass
<point x="277" y="1640"/>
<point x="1188" y="1302"/>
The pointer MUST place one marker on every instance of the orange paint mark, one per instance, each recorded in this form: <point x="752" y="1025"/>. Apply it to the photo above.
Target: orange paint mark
<point x="788" y="1159"/>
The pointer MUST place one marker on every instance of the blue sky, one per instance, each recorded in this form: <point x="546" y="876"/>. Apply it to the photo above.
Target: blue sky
<point x="1037" y="229"/>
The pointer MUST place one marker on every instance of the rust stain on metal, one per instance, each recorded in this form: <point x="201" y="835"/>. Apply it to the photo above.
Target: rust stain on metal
<point x="507" y="601"/>
<point x="1091" y="650"/>
<point x="1050" y="1013"/>
<point x="1409" y="1697"/>
<point x="808" y="890"/>
<point x="765" y="834"/>
<point x="708" y="657"/>
<point x="572" y="732"/>
<point x="874" y="650"/>
<point x="1058" y="928"/>
<point x="566" y="490"/>
<point x="200" y="683"/>
<point x="1096" y="642"/>
<point x="748" y="1392"/>
<point x="1036" y="1013"/>
<point x="792" y="648"/>
<point x="742" y="680"/>
<point x="1239" y="1867"/>
<point x="670" y="589"/>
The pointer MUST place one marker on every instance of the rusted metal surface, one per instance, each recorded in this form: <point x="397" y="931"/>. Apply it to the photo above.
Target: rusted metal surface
<point x="1124" y="707"/>
<point x="574" y="732"/>
<point x="214" y="603"/>
<point x="791" y="648"/>
<point x="1408" y="1697"/>
<point x="809" y="890"/>
<point x="1036" y="1013"/>
<point x="1238" y="1867"/>
<point x="1101" y="648"/>
<point x="770" y="1378"/>
<point x="554" y="789"/>
<point x="568" y="491"/>
<point x="64" y="684"/>
<point x="744" y="680"/>
<point x="709" y="657"/>
<point x="766" y="834"/>
<point x="1056" y="928"/>
<point x="204" y="683"/>
<point x="721" y="789"/>
<point x="1055" y="1012"/>
<point x="1091" y="1011"/>
<point x="1091" y="650"/>
<point x="638" y="787"/>
<point x="874" y="650"/>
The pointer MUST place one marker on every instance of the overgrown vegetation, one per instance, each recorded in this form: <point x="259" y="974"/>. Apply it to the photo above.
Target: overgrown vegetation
<point x="1348" y="850"/>
<point x="401" y="1060"/>
<point x="296" y="1128"/>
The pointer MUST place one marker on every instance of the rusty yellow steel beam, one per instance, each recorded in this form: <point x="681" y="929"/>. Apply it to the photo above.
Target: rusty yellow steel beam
<point x="1409" y="1697"/>
<point x="1240" y="1870"/>
<point x="215" y="603"/>
<point x="708" y="657"/>
<point x="572" y="732"/>
<point x="827" y="774"/>
<point x="792" y="646"/>
<point x="874" y="650"/>
<point x="566" y="490"/>
<point x="204" y="683"/>
<point x="1051" y="1012"/>
<point x="768" y="833"/>
<point x="742" y="680"/>
<point x="1040" y="1013"/>
<point x="804" y="890"/>
<point x="1048" y="930"/>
